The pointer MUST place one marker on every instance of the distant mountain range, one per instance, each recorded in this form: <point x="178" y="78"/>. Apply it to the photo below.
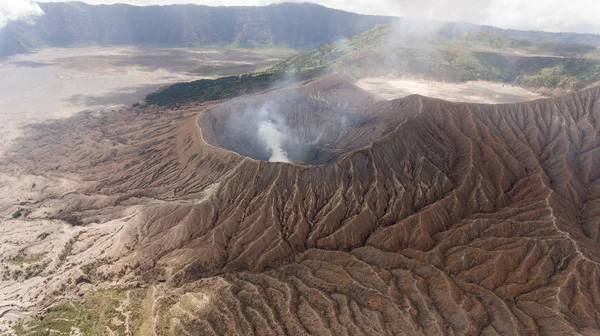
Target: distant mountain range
<point x="289" y="25"/>
<point x="293" y="25"/>
<point x="540" y="36"/>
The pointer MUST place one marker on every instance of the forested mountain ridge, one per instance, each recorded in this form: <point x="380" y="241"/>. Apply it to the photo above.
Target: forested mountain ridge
<point x="287" y="25"/>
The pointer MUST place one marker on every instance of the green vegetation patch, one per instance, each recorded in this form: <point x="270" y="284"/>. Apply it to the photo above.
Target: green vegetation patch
<point x="565" y="48"/>
<point x="107" y="312"/>
<point x="221" y="88"/>
<point x="552" y="72"/>
<point x="96" y="314"/>
<point x="210" y="89"/>
<point x="20" y="213"/>
<point x="22" y="257"/>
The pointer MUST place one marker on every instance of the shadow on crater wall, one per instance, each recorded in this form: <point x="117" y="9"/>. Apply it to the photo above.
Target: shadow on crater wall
<point x="308" y="126"/>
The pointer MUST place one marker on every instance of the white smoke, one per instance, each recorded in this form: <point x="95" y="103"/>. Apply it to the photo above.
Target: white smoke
<point x="273" y="138"/>
<point x="15" y="10"/>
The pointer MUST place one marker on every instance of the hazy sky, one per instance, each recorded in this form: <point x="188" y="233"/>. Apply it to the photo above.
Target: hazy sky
<point x="550" y="15"/>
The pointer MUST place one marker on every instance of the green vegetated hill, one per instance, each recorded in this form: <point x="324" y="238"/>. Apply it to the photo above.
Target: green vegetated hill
<point x="223" y="88"/>
<point x="456" y="55"/>
<point x="540" y="36"/>
<point x="452" y="52"/>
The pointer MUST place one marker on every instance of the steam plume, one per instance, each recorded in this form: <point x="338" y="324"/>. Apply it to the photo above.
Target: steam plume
<point x="273" y="138"/>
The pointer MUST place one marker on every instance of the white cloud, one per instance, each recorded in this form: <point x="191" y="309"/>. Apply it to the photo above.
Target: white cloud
<point x="549" y="15"/>
<point x="13" y="10"/>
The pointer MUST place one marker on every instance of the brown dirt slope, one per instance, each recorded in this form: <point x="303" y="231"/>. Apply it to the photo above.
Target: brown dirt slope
<point x="442" y="218"/>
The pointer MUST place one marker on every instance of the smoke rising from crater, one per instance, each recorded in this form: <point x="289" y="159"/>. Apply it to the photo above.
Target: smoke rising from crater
<point x="262" y="129"/>
<point x="273" y="131"/>
<point x="274" y="140"/>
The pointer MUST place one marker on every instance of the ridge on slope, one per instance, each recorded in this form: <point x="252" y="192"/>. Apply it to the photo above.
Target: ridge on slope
<point x="462" y="219"/>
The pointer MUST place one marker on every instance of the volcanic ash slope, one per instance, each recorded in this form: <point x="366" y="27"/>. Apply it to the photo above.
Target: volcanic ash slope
<point x="413" y="216"/>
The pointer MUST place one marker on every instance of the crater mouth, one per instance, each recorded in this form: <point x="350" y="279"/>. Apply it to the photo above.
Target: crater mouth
<point x="308" y="126"/>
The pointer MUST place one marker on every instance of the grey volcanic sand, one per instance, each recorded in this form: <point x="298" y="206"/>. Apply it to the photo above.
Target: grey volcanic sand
<point x="472" y="92"/>
<point x="55" y="83"/>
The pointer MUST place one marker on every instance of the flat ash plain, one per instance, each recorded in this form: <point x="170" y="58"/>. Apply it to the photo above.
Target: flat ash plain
<point x="58" y="82"/>
<point x="387" y="88"/>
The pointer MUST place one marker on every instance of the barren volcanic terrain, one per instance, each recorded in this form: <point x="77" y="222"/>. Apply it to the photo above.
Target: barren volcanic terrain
<point x="469" y="92"/>
<point x="418" y="178"/>
<point x="59" y="82"/>
<point x="418" y="216"/>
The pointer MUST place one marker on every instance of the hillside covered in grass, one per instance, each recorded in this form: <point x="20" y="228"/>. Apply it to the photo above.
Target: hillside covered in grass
<point x="455" y="54"/>
<point x="451" y="53"/>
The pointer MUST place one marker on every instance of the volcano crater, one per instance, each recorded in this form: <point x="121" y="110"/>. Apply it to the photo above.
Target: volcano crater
<point x="301" y="126"/>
